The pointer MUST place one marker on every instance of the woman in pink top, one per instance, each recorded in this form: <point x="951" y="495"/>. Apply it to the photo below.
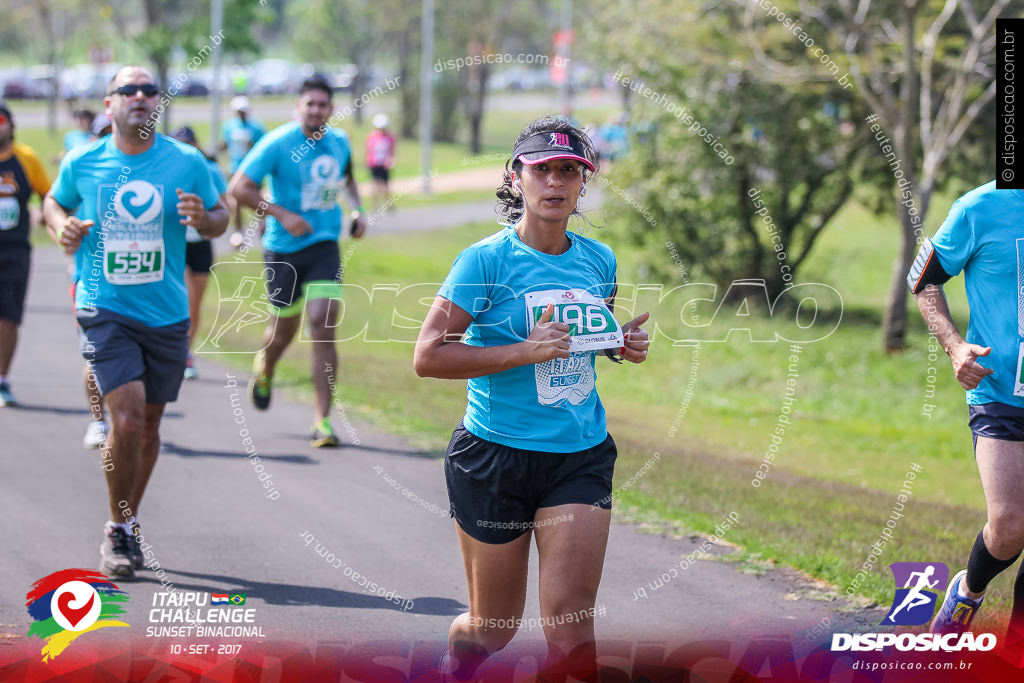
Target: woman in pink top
<point x="380" y="157"/>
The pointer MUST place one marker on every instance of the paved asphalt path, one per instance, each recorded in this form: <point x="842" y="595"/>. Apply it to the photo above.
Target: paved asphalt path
<point x="378" y="507"/>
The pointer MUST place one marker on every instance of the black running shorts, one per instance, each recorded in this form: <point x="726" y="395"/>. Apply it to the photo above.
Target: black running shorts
<point x="120" y="349"/>
<point x="199" y="256"/>
<point x="14" y="269"/>
<point x="310" y="273"/>
<point x="996" y="421"/>
<point x="495" y="491"/>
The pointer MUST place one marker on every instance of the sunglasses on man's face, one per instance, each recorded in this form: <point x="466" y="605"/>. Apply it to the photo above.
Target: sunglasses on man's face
<point x="148" y="90"/>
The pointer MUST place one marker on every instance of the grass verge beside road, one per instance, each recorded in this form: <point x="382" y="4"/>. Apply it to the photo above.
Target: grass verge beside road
<point x="856" y="422"/>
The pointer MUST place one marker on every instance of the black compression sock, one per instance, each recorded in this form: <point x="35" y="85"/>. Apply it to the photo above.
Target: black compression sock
<point x="982" y="567"/>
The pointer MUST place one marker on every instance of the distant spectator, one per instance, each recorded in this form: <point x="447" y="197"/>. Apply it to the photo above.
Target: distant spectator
<point x="80" y="135"/>
<point x="238" y="135"/>
<point x="380" y="158"/>
<point x="613" y="136"/>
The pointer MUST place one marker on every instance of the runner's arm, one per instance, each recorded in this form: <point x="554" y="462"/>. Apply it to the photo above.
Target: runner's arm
<point x="440" y="352"/>
<point x="214" y="221"/>
<point x="66" y="229"/>
<point x="931" y="301"/>
<point x="247" y="193"/>
<point x="359" y="229"/>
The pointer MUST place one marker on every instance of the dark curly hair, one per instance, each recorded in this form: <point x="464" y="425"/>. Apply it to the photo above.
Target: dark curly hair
<point x="510" y="203"/>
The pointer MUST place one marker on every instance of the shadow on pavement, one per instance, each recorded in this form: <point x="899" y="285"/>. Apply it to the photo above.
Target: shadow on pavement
<point x="62" y="410"/>
<point x="171" y="448"/>
<point x="287" y="594"/>
<point x="404" y="452"/>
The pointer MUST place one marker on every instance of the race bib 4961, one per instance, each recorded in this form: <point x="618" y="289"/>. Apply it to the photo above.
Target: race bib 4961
<point x="591" y="325"/>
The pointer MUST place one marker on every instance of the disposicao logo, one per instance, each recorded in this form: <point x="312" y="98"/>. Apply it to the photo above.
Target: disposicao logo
<point x="69" y="603"/>
<point x="914" y="603"/>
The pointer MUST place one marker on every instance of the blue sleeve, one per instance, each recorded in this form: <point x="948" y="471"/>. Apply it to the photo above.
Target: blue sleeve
<point x="954" y="241"/>
<point x="64" y="189"/>
<point x="610" y="281"/>
<point x="260" y="162"/>
<point x="204" y="182"/>
<point x="217" y="176"/>
<point x="467" y="284"/>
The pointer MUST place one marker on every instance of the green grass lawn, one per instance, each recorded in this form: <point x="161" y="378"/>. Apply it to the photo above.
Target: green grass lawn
<point x="856" y="421"/>
<point x="499" y="132"/>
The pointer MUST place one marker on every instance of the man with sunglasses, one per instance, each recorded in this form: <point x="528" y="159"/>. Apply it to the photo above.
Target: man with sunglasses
<point x="122" y="207"/>
<point x="21" y="175"/>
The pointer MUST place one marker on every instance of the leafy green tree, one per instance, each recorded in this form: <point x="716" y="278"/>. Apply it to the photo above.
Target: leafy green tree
<point x="741" y="182"/>
<point x="926" y="70"/>
<point x="185" y="24"/>
<point x="739" y="170"/>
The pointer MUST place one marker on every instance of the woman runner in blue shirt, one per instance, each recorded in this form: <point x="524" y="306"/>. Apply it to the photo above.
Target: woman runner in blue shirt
<point x="532" y="452"/>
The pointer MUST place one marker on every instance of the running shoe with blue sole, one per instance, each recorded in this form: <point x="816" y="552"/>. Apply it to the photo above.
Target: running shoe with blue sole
<point x="6" y="396"/>
<point x="956" y="613"/>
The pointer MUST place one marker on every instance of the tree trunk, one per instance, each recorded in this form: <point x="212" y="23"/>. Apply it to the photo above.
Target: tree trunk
<point x="46" y="19"/>
<point x="476" y="88"/>
<point x="359" y="83"/>
<point x="409" y="93"/>
<point x="358" y="90"/>
<point x="161" y="74"/>
<point x="894" y="323"/>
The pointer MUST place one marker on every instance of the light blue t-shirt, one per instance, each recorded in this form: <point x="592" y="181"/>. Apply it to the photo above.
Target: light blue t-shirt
<point x="132" y="261"/>
<point x="983" y="236"/>
<point x="551" y="406"/>
<point x="220" y="184"/>
<point x="306" y="177"/>
<point x="75" y="138"/>
<point x="239" y="138"/>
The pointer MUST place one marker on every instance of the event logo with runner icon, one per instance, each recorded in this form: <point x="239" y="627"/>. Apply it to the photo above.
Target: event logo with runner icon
<point x="918" y="585"/>
<point x="69" y="603"/>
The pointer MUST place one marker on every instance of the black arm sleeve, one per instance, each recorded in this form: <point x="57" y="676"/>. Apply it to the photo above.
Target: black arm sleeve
<point x="926" y="269"/>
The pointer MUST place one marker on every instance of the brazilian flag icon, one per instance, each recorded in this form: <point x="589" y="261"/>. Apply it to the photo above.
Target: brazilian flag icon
<point x="237" y="598"/>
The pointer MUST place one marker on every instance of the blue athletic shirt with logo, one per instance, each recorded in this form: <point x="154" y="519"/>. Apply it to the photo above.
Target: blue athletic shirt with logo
<point x="132" y="261"/>
<point x="551" y="406"/>
<point x="306" y="177"/>
<point x="983" y="236"/>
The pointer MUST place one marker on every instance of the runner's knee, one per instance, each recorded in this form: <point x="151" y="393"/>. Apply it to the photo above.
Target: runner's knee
<point x="1006" y="530"/>
<point x="128" y="424"/>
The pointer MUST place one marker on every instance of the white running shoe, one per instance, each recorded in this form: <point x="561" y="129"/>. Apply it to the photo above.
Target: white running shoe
<point x="95" y="434"/>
